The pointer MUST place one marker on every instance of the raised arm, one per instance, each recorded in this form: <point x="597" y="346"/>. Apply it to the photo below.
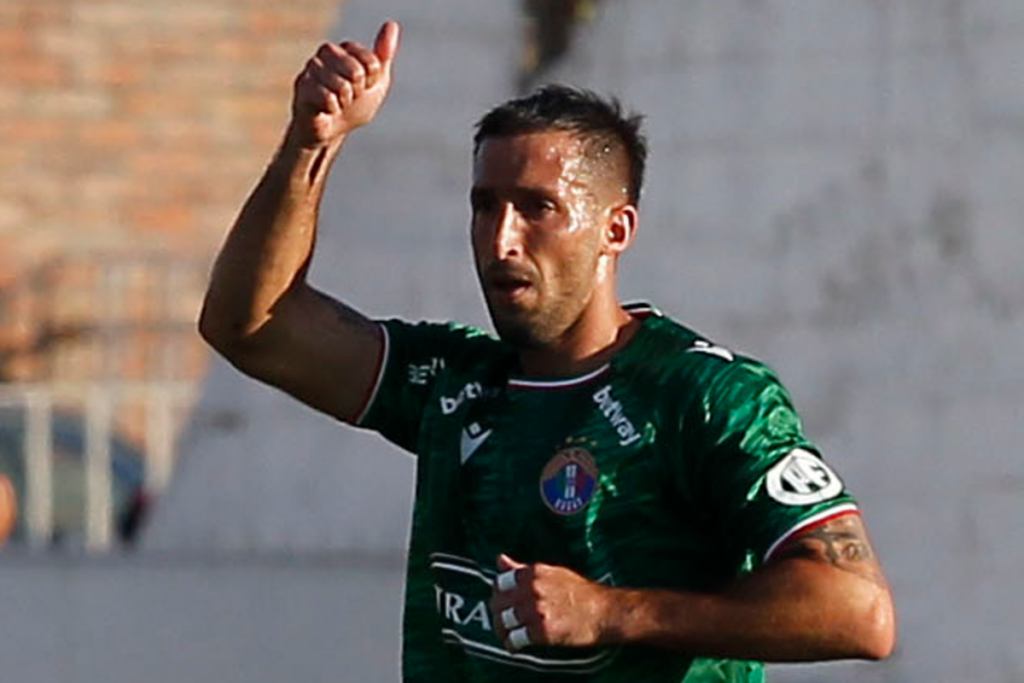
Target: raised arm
<point x="259" y="311"/>
<point x="821" y="596"/>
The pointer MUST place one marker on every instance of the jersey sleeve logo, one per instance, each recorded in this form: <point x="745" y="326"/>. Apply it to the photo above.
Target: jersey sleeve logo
<point x="568" y="481"/>
<point x="704" y="346"/>
<point x="802" y="478"/>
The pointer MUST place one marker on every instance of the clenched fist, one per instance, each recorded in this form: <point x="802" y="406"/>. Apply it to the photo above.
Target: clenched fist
<point x="541" y="604"/>
<point x="342" y="87"/>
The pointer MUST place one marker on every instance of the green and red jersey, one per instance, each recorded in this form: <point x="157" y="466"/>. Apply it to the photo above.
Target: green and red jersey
<point x="678" y="465"/>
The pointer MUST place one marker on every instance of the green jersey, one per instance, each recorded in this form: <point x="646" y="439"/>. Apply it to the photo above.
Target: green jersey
<point x="678" y="465"/>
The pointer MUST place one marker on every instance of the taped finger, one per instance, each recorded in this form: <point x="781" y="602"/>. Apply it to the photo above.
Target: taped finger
<point x="509" y="619"/>
<point x="507" y="581"/>
<point x="519" y="638"/>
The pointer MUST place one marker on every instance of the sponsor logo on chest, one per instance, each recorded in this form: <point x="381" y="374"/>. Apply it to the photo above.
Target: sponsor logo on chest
<point x="616" y="415"/>
<point x="462" y="592"/>
<point x="472" y="391"/>
<point x="461" y="610"/>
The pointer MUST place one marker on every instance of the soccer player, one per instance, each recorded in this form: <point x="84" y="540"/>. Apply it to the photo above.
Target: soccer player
<point x="602" y="494"/>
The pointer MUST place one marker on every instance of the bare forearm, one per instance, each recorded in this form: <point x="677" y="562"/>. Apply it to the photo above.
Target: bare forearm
<point x="269" y="247"/>
<point x="799" y="610"/>
<point x="821" y="596"/>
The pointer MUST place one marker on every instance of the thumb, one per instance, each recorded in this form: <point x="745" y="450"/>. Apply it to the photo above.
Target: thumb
<point x="386" y="45"/>
<point x="505" y="563"/>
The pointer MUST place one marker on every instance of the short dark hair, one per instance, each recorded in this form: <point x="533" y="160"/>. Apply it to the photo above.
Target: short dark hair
<point x="600" y="124"/>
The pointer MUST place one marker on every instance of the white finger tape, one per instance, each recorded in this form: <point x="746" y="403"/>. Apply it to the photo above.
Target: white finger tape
<point x="507" y="581"/>
<point x="508" y="619"/>
<point x="519" y="638"/>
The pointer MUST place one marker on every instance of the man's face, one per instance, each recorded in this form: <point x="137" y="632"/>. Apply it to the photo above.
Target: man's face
<point x="537" y="232"/>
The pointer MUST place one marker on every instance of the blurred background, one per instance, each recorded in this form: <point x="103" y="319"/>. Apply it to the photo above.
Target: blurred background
<point x="834" y="187"/>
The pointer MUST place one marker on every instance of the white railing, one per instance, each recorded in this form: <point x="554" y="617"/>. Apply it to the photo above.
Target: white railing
<point x="97" y="403"/>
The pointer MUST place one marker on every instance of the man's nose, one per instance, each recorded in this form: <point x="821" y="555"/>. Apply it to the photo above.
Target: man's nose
<point x="507" y="233"/>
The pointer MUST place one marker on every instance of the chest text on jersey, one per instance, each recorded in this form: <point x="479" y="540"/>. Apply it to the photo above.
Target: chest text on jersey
<point x="615" y="413"/>
<point x="470" y="392"/>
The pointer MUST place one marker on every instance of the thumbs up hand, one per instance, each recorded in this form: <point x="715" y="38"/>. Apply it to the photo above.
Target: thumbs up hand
<point x="342" y="87"/>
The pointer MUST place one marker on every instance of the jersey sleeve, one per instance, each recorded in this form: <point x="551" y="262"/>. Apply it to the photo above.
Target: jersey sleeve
<point x="414" y="357"/>
<point x="760" y="476"/>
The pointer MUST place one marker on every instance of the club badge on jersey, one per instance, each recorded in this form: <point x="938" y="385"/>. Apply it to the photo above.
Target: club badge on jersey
<point x="802" y="478"/>
<point x="568" y="481"/>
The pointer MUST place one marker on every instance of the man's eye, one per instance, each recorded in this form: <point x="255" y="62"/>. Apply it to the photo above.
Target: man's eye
<point x="537" y="207"/>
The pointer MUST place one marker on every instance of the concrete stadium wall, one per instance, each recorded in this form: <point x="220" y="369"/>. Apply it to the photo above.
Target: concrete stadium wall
<point x="834" y="187"/>
<point x="156" y="619"/>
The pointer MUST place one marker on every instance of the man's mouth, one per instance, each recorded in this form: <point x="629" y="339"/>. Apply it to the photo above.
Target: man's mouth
<point x="509" y="286"/>
<point x="510" y="289"/>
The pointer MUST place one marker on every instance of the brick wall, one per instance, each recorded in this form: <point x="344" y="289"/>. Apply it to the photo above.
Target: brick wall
<point x="129" y="128"/>
<point x="130" y="133"/>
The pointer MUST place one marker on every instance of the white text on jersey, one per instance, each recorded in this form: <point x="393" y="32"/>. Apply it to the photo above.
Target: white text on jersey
<point x="450" y="606"/>
<point x="471" y="391"/>
<point x="422" y="373"/>
<point x="612" y="410"/>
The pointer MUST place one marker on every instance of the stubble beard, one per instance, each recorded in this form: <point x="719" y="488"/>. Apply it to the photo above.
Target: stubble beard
<point x="549" y="318"/>
<point x="527" y="329"/>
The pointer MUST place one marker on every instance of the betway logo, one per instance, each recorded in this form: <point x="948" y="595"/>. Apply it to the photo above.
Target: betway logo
<point x="612" y="410"/>
<point x="471" y="391"/>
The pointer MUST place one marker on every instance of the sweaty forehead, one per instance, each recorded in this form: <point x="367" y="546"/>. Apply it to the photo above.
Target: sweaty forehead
<point x="533" y="158"/>
<point x="550" y="159"/>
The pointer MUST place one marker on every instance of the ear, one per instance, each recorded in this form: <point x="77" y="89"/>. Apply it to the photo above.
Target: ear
<point x="621" y="228"/>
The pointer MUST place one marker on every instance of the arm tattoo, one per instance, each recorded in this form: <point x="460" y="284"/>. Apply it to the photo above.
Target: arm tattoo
<point x="841" y="542"/>
<point x="355" y="325"/>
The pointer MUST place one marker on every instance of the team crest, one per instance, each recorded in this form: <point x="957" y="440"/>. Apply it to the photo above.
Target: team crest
<point x="568" y="481"/>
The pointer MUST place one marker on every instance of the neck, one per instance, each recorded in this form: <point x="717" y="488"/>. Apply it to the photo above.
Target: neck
<point x="589" y="343"/>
